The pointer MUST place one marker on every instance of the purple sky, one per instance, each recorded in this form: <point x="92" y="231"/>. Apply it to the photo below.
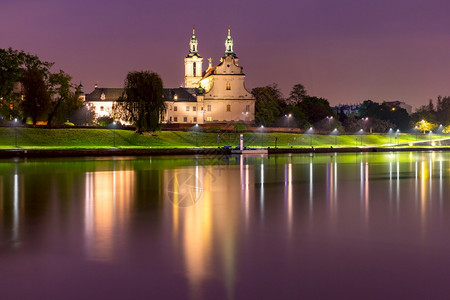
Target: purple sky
<point x="346" y="51"/>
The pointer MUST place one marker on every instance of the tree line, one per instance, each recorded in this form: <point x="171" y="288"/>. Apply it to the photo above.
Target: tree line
<point x="304" y="111"/>
<point x="31" y="92"/>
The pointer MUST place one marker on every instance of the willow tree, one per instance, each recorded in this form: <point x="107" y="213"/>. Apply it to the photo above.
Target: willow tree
<point x="142" y="102"/>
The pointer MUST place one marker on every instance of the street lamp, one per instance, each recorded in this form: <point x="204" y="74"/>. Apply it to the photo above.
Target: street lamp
<point x="15" y="132"/>
<point x="310" y="132"/>
<point x="288" y="118"/>
<point x="415" y="130"/>
<point x="335" y="132"/>
<point x="390" y="135"/>
<point x="196" y="135"/>
<point x="261" y="128"/>
<point x="114" y="133"/>
<point x="329" y="118"/>
<point x="397" y="137"/>
<point x="361" y="132"/>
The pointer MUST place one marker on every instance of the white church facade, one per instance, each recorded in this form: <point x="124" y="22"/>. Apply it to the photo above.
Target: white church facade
<point x="216" y="95"/>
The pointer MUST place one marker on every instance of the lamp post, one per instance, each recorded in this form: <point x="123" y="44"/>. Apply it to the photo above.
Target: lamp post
<point x="329" y="118"/>
<point x="398" y="136"/>
<point x="15" y="132"/>
<point x="335" y="133"/>
<point x="114" y="133"/>
<point x="196" y="135"/>
<point x="362" y="132"/>
<point x="262" y="130"/>
<point x="288" y="119"/>
<point x="431" y="132"/>
<point x="390" y="135"/>
<point x="310" y="132"/>
<point x="364" y="123"/>
<point x="415" y="130"/>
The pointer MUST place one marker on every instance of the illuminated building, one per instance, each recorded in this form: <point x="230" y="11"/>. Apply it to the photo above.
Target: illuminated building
<point x="217" y="95"/>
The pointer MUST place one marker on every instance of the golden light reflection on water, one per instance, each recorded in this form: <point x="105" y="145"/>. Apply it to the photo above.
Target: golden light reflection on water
<point x="208" y="228"/>
<point x="108" y="200"/>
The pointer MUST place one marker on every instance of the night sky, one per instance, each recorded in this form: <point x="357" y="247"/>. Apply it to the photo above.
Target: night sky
<point x="343" y="50"/>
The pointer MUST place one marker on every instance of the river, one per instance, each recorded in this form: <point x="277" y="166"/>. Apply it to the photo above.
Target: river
<point x="370" y="225"/>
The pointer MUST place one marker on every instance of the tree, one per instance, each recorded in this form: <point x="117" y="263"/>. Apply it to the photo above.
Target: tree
<point x="443" y="110"/>
<point x="316" y="109"/>
<point x="267" y="105"/>
<point x="13" y="66"/>
<point x="298" y="93"/>
<point x="36" y="97"/>
<point x="142" y="101"/>
<point x="64" y="101"/>
<point x="426" y="126"/>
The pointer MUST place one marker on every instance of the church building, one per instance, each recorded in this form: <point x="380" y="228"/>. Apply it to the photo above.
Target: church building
<point x="216" y="95"/>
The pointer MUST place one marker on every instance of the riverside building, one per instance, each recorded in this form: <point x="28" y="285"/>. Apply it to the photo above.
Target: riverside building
<point x="216" y="95"/>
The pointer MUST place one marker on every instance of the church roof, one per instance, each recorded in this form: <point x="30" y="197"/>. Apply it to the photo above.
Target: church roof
<point x="110" y="94"/>
<point x="113" y="94"/>
<point x="180" y="94"/>
<point x="192" y="54"/>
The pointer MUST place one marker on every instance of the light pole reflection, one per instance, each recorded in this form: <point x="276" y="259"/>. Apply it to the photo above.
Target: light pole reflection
<point x="16" y="213"/>
<point x="311" y="186"/>
<point x="288" y="192"/>
<point x="364" y="185"/>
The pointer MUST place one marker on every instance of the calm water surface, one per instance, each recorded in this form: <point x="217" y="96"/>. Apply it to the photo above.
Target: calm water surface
<point x="325" y="226"/>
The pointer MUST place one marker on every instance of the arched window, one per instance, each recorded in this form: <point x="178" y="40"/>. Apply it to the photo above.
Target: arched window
<point x="228" y="107"/>
<point x="228" y="86"/>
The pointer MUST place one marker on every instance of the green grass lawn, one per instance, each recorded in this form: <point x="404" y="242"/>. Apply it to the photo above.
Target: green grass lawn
<point x="38" y="138"/>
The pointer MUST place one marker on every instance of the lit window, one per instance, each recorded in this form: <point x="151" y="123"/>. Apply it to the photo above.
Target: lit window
<point x="175" y="108"/>
<point x="194" y="108"/>
<point x="208" y="107"/>
<point x="175" y="97"/>
<point x="170" y="107"/>
<point x="228" y="107"/>
<point x="228" y="86"/>
<point x="187" y="108"/>
<point x="185" y="119"/>
<point x="209" y="119"/>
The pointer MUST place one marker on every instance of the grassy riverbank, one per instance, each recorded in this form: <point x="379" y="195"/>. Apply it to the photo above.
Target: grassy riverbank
<point x="38" y="138"/>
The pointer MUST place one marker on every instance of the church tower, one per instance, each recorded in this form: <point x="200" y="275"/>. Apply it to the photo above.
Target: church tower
<point x="229" y="48"/>
<point x="192" y="64"/>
